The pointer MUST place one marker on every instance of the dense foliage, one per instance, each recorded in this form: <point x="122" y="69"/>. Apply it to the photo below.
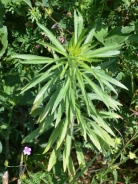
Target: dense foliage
<point x="69" y="91"/>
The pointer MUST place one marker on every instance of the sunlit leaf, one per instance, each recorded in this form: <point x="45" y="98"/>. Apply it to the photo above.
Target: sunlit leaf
<point x="53" y="157"/>
<point x="80" y="155"/>
<point x="54" y="136"/>
<point x="62" y="133"/>
<point x="67" y="149"/>
<point x="52" y="38"/>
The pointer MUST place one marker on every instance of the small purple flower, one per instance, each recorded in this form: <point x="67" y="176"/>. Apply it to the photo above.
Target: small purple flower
<point x="27" y="151"/>
<point x="54" y="26"/>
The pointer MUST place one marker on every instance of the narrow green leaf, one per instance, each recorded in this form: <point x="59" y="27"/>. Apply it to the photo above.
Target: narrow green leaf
<point x="92" y="71"/>
<point x="106" y="77"/>
<point x="37" y="132"/>
<point x="94" y="138"/>
<point x="52" y="47"/>
<point x="107" y="114"/>
<point x="45" y="88"/>
<point x="81" y="38"/>
<point x="29" y="57"/>
<point x="73" y="98"/>
<point x="33" y="59"/>
<point x="102" y="124"/>
<point x="75" y="27"/>
<point x="109" y="102"/>
<point x="64" y="70"/>
<point x="60" y="112"/>
<point x="37" y="105"/>
<point x="67" y="149"/>
<point x="71" y="167"/>
<point x="80" y="156"/>
<point x="109" y="86"/>
<point x="53" y="157"/>
<point x="102" y="95"/>
<point x="48" y="121"/>
<point x="101" y="133"/>
<point x="40" y="78"/>
<point x="36" y="61"/>
<point x="81" y="122"/>
<point x="52" y="38"/>
<point x="62" y="133"/>
<point x="107" y="51"/>
<point x="82" y="87"/>
<point x="114" y="104"/>
<point x="93" y="96"/>
<point x="80" y="24"/>
<point x="96" y="129"/>
<point x="61" y="94"/>
<point x="90" y="35"/>
<point x="49" y="105"/>
<point x="31" y="136"/>
<point x="55" y="134"/>
<point x="102" y="55"/>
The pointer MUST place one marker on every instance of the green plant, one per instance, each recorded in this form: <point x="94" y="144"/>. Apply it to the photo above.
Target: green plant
<point x="37" y="178"/>
<point x="115" y="24"/>
<point x="72" y="82"/>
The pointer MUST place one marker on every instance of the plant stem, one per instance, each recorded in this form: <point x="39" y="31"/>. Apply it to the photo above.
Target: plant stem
<point x="7" y="136"/>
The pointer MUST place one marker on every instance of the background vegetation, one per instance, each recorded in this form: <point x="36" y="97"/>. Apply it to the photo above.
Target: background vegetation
<point x="69" y="91"/>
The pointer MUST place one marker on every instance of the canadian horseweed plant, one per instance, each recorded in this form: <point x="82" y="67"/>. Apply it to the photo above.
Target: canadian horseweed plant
<point x="71" y="82"/>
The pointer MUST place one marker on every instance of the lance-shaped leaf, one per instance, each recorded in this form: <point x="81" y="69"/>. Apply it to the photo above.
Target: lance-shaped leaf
<point x="82" y="87"/>
<point x="40" y="130"/>
<point x="49" y="105"/>
<point x="107" y="114"/>
<point x="108" y="78"/>
<point x="60" y="112"/>
<point x="90" y="35"/>
<point x="52" y="47"/>
<point x="75" y="27"/>
<point x="67" y="149"/>
<point x="45" y="88"/>
<point x="80" y="24"/>
<point x="108" y="51"/>
<point x="71" y="167"/>
<point x="61" y="94"/>
<point x="40" y="78"/>
<point x="29" y="57"/>
<point x="62" y="133"/>
<point x="52" y="38"/>
<point x="94" y="138"/>
<point x="55" y="134"/>
<point x="102" y="133"/>
<point x="53" y="157"/>
<point x="102" y="124"/>
<point x="80" y="155"/>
